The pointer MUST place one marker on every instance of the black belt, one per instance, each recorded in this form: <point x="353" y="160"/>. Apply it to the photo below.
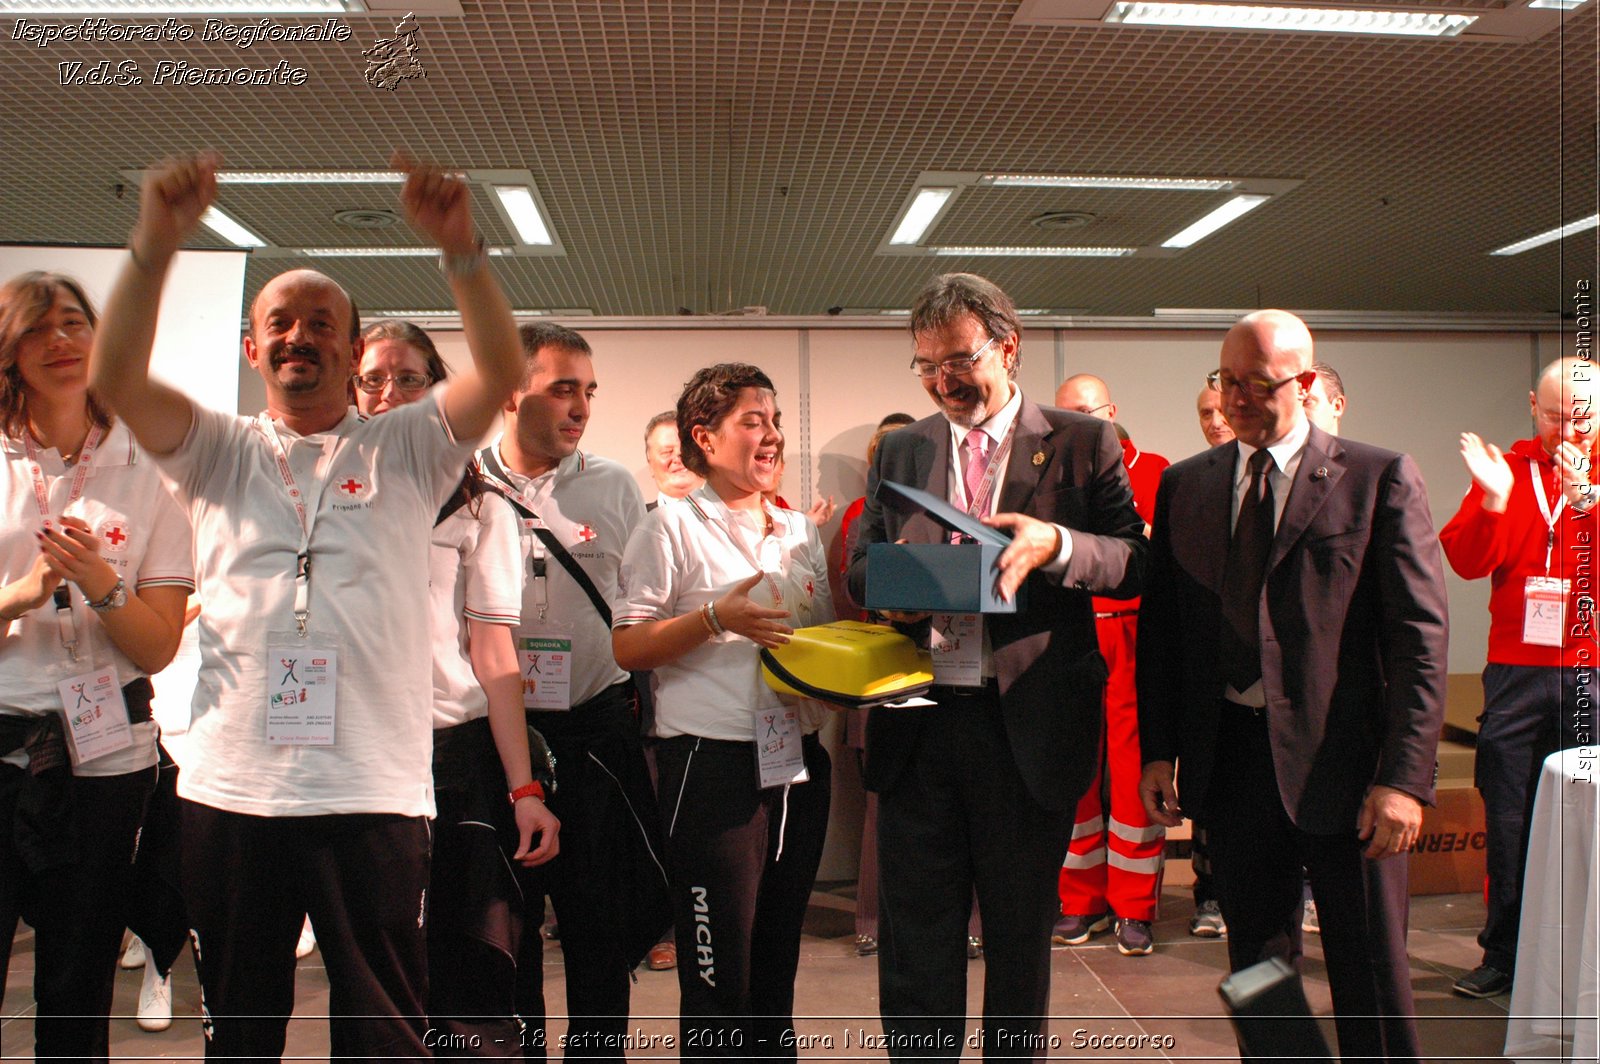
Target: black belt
<point x="945" y="693"/>
<point x="1239" y="709"/>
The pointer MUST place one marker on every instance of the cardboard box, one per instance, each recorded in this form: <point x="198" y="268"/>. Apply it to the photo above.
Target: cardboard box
<point x="1449" y="856"/>
<point x="936" y="577"/>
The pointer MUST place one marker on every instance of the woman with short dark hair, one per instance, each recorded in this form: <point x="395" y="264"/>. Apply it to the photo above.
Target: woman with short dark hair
<point x="709" y="580"/>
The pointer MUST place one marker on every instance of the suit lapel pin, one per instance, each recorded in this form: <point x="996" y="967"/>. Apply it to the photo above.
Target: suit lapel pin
<point x="1038" y="458"/>
<point x="1320" y="474"/>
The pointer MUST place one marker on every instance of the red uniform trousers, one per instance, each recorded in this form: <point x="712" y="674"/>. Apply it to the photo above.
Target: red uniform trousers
<point x="1115" y="863"/>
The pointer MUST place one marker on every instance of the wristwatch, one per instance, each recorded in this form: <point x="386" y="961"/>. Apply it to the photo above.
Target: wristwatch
<point x="115" y="599"/>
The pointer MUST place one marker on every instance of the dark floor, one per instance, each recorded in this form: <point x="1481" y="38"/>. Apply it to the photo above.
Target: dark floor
<point x="1096" y="992"/>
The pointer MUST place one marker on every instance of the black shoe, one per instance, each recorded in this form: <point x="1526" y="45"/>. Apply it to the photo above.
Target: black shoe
<point x="1484" y="981"/>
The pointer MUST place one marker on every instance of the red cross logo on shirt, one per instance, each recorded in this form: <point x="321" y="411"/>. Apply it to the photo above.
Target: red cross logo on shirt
<point x="115" y="537"/>
<point x="586" y="533"/>
<point x="352" y="486"/>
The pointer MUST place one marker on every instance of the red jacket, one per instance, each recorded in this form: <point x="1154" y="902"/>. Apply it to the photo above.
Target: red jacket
<point x="1510" y="547"/>
<point x="1144" y="472"/>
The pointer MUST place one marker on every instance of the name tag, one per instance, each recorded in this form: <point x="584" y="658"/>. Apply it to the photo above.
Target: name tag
<point x="779" y="759"/>
<point x="302" y="684"/>
<point x="96" y="715"/>
<point x="546" y="662"/>
<point x="1544" y="611"/>
<point x="956" y="644"/>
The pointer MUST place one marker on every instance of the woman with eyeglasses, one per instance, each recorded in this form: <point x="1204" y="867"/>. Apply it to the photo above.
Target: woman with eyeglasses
<point x="95" y="572"/>
<point x="480" y="736"/>
<point x="710" y="580"/>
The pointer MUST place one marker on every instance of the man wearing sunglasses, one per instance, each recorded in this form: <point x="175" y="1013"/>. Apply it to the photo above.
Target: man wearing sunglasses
<point x="1291" y="667"/>
<point x="976" y="792"/>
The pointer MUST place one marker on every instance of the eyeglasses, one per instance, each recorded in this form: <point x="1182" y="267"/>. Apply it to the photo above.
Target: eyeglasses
<point x="1091" y="410"/>
<point x="406" y="382"/>
<point x="1255" y="387"/>
<point x="950" y="367"/>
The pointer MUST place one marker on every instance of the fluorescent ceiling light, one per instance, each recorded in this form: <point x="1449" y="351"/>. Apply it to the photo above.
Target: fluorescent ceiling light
<point x="1549" y="236"/>
<point x="230" y="230"/>
<point x="309" y="177"/>
<point x="379" y="252"/>
<point x="524" y="213"/>
<point x="180" y="7"/>
<point x="1312" y="19"/>
<point x="1233" y="210"/>
<point x="924" y="209"/>
<point x="1559" y="5"/>
<point x="1000" y="251"/>
<point x="1176" y="184"/>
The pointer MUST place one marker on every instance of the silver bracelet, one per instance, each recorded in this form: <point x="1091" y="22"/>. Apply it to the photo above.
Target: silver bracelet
<point x="716" y="622"/>
<point x="464" y="265"/>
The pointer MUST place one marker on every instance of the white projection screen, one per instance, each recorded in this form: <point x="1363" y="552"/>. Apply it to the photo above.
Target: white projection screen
<point x="197" y="341"/>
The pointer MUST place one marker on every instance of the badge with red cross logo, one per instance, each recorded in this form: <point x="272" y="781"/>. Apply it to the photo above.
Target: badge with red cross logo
<point x="351" y="488"/>
<point x="114" y="537"/>
<point x="587" y="534"/>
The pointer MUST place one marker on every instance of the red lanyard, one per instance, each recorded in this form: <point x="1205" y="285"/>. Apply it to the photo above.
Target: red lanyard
<point x="41" y="493"/>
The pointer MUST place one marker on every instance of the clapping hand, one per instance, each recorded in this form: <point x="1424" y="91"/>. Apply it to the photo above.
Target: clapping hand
<point x="1489" y="469"/>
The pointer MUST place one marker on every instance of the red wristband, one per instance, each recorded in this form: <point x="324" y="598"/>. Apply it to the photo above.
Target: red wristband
<point x="527" y="790"/>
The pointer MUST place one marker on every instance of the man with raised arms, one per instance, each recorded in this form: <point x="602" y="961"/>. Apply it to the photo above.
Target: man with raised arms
<point x="310" y="785"/>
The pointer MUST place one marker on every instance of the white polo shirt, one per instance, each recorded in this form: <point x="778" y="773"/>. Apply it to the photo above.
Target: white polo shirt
<point x="592" y="505"/>
<point x="684" y="556"/>
<point x="474" y="571"/>
<point x="143" y="535"/>
<point x="385" y="480"/>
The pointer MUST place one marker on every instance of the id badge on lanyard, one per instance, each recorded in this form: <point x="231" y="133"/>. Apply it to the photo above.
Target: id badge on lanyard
<point x="955" y="640"/>
<point x="96" y="716"/>
<point x="779" y="757"/>
<point x="93" y="710"/>
<point x="1544" y="598"/>
<point x="302" y="666"/>
<point x="544" y="657"/>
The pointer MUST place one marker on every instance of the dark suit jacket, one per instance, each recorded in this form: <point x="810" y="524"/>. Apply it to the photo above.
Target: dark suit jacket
<point x="1046" y="659"/>
<point x="1353" y="630"/>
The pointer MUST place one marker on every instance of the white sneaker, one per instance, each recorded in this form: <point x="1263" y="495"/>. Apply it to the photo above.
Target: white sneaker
<point x="155" y="1000"/>
<point x="308" y="941"/>
<point x="133" y="956"/>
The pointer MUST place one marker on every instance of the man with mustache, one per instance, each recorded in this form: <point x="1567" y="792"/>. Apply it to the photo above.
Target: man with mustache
<point x="308" y="793"/>
<point x="976" y="792"/>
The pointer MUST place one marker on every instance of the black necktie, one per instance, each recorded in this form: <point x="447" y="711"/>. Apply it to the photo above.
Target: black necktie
<point x="1241" y="581"/>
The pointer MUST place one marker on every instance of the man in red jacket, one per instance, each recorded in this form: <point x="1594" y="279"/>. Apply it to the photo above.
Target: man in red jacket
<point x="1528" y="524"/>
<point x="1113" y="865"/>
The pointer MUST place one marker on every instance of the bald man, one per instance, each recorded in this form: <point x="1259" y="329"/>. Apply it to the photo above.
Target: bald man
<point x="1112" y="870"/>
<point x="1291" y="668"/>
<point x="1528" y="523"/>
<point x="1213" y="422"/>
<point x="311" y="784"/>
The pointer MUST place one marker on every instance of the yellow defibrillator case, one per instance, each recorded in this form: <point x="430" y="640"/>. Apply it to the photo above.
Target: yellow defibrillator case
<point x="848" y="663"/>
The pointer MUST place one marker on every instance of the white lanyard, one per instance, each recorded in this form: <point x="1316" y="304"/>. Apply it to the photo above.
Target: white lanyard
<point x="1545" y="511"/>
<point x="66" y="620"/>
<point x="41" y="493"/>
<point x="978" y="506"/>
<point x="307" y="515"/>
<point x="731" y="529"/>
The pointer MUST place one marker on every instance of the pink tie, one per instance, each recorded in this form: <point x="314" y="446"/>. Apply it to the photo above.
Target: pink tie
<point x="977" y="446"/>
